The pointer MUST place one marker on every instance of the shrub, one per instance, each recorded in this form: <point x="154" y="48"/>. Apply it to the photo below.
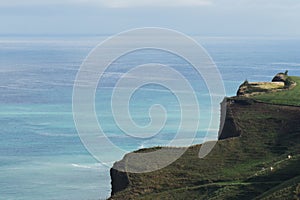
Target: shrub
<point x="288" y="82"/>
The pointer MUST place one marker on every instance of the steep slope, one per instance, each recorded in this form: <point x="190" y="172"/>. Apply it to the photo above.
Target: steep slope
<point x="257" y="156"/>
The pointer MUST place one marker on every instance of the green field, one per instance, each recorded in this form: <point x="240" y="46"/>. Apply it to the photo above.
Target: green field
<point x="288" y="97"/>
<point x="252" y="166"/>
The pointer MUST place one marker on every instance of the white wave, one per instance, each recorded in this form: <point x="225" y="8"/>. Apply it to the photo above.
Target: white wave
<point x="142" y="146"/>
<point x="38" y="124"/>
<point x="87" y="166"/>
<point x="109" y="164"/>
<point x="81" y="166"/>
<point x="56" y="134"/>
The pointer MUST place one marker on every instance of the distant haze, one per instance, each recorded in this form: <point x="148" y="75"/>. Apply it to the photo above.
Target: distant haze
<point x="203" y="17"/>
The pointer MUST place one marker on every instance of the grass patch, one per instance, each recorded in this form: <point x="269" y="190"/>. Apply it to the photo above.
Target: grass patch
<point x="245" y="167"/>
<point x="286" y="97"/>
<point x="284" y="190"/>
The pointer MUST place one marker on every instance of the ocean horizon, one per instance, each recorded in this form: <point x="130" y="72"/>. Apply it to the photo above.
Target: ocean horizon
<point x="41" y="152"/>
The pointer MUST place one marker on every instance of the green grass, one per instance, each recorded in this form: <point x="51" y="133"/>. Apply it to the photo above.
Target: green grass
<point x="287" y="97"/>
<point x="284" y="190"/>
<point x="240" y="167"/>
<point x="237" y="168"/>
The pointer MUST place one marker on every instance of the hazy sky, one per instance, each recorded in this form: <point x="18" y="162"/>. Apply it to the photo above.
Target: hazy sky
<point x="203" y="17"/>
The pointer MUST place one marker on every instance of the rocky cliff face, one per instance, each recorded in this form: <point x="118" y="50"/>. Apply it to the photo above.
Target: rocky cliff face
<point x="119" y="180"/>
<point x="255" y="136"/>
<point x="280" y="77"/>
<point x="230" y="127"/>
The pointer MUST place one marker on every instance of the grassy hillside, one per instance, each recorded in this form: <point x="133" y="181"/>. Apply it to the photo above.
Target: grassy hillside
<point x="254" y="165"/>
<point x="288" y="97"/>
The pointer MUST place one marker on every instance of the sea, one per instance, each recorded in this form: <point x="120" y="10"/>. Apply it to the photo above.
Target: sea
<point x="41" y="153"/>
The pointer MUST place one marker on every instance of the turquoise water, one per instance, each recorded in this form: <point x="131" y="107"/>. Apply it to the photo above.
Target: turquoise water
<point x="41" y="155"/>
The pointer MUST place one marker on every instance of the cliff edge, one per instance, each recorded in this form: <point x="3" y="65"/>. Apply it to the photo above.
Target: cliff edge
<point x="257" y="156"/>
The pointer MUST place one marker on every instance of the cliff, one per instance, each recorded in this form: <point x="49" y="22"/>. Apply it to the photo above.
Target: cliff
<point x="119" y="180"/>
<point x="280" y="82"/>
<point x="257" y="156"/>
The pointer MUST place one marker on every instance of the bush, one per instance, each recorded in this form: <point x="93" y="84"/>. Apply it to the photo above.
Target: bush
<point x="288" y="82"/>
